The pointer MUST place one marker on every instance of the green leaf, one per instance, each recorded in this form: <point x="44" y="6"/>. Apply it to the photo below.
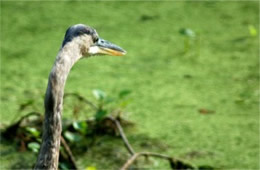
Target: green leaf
<point x="72" y="137"/>
<point x="100" y="114"/>
<point x="124" y="93"/>
<point x="63" y="166"/>
<point x="33" y="131"/>
<point x="99" y="94"/>
<point x="80" y="126"/>
<point x="34" y="146"/>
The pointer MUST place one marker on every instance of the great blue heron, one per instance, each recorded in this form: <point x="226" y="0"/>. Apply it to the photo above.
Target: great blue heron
<point x="79" y="41"/>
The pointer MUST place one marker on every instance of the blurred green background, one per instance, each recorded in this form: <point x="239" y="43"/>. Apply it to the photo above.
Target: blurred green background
<point x="192" y="68"/>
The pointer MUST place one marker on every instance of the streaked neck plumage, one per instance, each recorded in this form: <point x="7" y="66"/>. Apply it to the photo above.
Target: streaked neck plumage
<point x="48" y="157"/>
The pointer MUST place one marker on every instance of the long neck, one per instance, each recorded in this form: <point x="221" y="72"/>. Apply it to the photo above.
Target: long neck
<point x="48" y="157"/>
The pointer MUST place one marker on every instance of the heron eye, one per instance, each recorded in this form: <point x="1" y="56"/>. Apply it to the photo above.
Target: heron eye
<point x="95" y="39"/>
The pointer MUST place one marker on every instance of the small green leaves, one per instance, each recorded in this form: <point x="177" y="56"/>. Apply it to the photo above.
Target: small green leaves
<point x="80" y="126"/>
<point x="33" y="131"/>
<point x="72" y="137"/>
<point x="34" y="146"/>
<point x="107" y="103"/>
<point x="99" y="94"/>
<point x="100" y="114"/>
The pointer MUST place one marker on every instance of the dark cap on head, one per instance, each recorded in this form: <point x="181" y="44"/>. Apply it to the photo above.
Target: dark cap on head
<point x="78" y="30"/>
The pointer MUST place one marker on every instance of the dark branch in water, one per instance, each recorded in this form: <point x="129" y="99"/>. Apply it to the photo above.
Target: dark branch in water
<point x="81" y="98"/>
<point x="122" y="134"/>
<point x="67" y="149"/>
<point x="175" y="164"/>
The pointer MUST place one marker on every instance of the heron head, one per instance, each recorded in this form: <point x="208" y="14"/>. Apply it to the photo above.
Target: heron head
<point x="89" y="42"/>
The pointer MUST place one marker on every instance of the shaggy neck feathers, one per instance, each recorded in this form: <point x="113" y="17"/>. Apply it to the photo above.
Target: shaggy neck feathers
<point x="48" y="157"/>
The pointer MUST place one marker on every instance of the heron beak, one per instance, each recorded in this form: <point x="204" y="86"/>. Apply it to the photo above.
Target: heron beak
<point x="105" y="47"/>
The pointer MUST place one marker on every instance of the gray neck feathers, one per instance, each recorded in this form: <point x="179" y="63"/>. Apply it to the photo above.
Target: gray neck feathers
<point x="49" y="153"/>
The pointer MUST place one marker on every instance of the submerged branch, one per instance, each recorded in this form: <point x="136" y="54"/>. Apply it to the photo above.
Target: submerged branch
<point x="136" y="155"/>
<point x="122" y="134"/>
<point x="175" y="163"/>
<point x="81" y="98"/>
<point x="67" y="149"/>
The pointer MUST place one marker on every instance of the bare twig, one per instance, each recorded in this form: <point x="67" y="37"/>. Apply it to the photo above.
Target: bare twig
<point x="175" y="163"/>
<point x="122" y="134"/>
<point x="67" y="149"/>
<point x="12" y="129"/>
<point x="81" y="98"/>
<point x="28" y="115"/>
<point x="136" y="155"/>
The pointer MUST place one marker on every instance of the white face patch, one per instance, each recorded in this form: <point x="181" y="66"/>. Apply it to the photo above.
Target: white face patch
<point x="94" y="50"/>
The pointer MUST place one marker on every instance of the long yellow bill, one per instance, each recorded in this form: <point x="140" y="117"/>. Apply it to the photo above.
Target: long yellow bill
<point x="107" y="48"/>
